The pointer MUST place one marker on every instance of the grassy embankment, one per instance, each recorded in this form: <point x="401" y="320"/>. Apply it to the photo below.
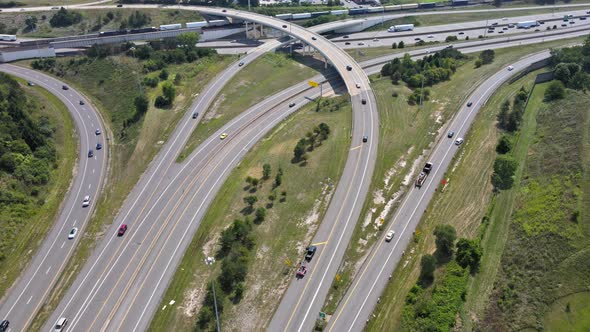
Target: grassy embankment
<point x="92" y="21"/>
<point x="31" y="232"/>
<point x="131" y="147"/>
<point x="281" y="237"/>
<point x="265" y="76"/>
<point x="402" y="142"/>
<point x="543" y="268"/>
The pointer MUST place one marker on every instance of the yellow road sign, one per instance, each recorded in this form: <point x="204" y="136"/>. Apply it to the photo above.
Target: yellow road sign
<point x="312" y="83"/>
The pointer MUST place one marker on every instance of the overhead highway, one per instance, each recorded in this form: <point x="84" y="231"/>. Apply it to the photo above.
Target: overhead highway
<point x="41" y="274"/>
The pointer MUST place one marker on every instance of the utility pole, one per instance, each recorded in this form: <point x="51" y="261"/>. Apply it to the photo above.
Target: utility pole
<point x="215" y="303"/>
<point x="422" y="86"/>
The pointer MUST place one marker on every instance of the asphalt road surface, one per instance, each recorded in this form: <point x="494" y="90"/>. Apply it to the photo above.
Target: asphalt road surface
<point x="25" y="297"/>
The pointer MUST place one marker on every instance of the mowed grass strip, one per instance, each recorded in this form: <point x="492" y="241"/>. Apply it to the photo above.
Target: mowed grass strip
<point x="262" y="78"/>
<point x="133" y="148"/>
<point x="282" y="236"/>
<point x="33" y="231"/>
<point x="462" y="205"/>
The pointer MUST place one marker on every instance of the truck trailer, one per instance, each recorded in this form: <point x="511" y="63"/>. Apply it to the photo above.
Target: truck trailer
<point x="526" y="24"/>
<point x="8" y="37"/>
<point x="423" y="175"/>
<point x="401" y="27"/>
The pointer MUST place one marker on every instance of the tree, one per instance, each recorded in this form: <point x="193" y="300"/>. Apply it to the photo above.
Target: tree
<point x="31" y="23"/>
<point x="445" y="237"/>
<point x="395" y="77"/>
<point x="324" y="131"/>
<point x="428" y="265"/>
<point x="580" y="81"/>
<point x="394" y="45"/>
<point x="188" y="40"/>
<point x="469" y="254"/>
<point x="299" y="150"/>
<point x="64" y="18"/>
<point x="141" y="104"/>
<point x="250" y="200"/>
<point x="503" y="115"/>
<point x="238" y="292"/>
<point x="555" y="91"/>
<point x="248" y="179"/>
<point x="169" y="92"/>
<point x="260" y="215"/>
<point x="164" y="74"/>
<point x="266" y="170"/>
<point x="487" y="56"/>
<point x="278" y="180"/>
<point x="504" y="145"/>
<point x="177" y="79"/>
<point x="451" y="38"/>
<point x="255" y="182"/>
<point x="562" y="73"/>
<point x="504" y="168"/>
<point x="401" y="44"/>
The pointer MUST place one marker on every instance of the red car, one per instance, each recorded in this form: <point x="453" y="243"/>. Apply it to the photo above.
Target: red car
<point x="122" y="230"/>
<point x="301" y="271"/>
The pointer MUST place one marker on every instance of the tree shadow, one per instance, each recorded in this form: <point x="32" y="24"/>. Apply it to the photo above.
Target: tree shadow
<point x="247" y="210"/>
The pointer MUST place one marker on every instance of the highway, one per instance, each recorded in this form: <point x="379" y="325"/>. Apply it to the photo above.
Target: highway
<point x="369" y="283"/>
<point x="43" y="271"/>
<point x="167" y="240"/>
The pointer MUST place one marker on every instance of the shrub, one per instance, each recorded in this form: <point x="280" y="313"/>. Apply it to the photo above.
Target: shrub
<point x="555" y="91"/>
<point x="64" y="18"/>
<point x="504" y="168"/>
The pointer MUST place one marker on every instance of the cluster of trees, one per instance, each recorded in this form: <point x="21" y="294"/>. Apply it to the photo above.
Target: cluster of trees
<point x="428" y="71"/>
<point x="136" y="20"/>
<point x="27" y="156"/>
<point x="510" y="120"/>
<point x="485" y="57"/>
<point x="6" y="30"/>
<point x="30" y="23"/>
<point x="312" y="139"/>
<point x="571" y="68"/>
<point x="167" y="97"/>
<point x="398" y="45"/>
<point x="65" y="18"/>
<point x="104" y="20"/>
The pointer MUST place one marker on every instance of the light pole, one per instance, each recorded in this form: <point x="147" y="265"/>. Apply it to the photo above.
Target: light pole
<point x="485" y="29"/>
<point x="209" y="261"/>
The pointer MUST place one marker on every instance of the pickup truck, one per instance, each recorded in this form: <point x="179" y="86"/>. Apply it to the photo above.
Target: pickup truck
<point x="423" y="175"/>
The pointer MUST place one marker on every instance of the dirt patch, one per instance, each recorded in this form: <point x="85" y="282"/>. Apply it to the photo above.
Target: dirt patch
<point x="192" y="301"/>
<point x="212" y="112"/>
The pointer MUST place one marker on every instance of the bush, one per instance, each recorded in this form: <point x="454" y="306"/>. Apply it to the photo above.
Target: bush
<point x="428" y="265"/>
<point x="445" y="237"/>
<point x="555" y="91"/>
<point x="64" y="18"/>
<point x="487" y="57"/>
<point x="469" y="254"/>
<point x="504" y="169"/>
<point x="164" y="74"/>
<point x="504" y="145"/>
<point x="152" y="82"/>
<point x="401" y="45"/>
<point x="451" y="38"/>
<point x="394" y="45"/>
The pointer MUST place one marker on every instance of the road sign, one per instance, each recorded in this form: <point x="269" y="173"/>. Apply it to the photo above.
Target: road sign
<point x="312" y="83"/>
<point x="288" y="262"/>
<point x="322" y="314"/>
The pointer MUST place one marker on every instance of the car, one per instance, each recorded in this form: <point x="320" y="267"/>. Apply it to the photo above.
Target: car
<point x="284" y="26"/>
<point x="90" y="153"/>
<point x="4" y="325"/>
<point x="223" y="136"/>
<point x="505" y="28"/>
<point x="461" y="33"/>
<point x="451" y="134"/>
<point x="65" y="87"/>
<point x="365" y="139"/>
<point x="86" y="201"/>
<point x="363" y="101"/>
<point x="361" y="44"/>
<point x="224" y="11"/>
<point x="495" y="23"/>
<point x="511" y="25"/>
<point x="81" y="102"/>
<point x="310" y="252"/>
<point x="195" y="115"/>
<point x="98" y="146"/>
<point x="504" y="18"/>
<point x="291" y="104"/>
<point x="122" y="230"/>
<point x="119" y="5"/>
<point x="541" y="22"/>
<point x="240" y="64"/>
<point x="588" y="12"/>
<point x="510" y="68"/>
<point x="97" y="131"/>
<point x="358" y="86"/>
<point x="430" y="36"/>
<point x="61" y="324"/>
<point x="449" y="46"/>
<point x="500" y="31"/>
<point x="347" y="43"/>
<point x="490" y="31"/>
<point x="564" y="25"/>
<point x="417" y="38"/>
<point x="54" y="8"/>
<point x="301" y="271"/>
<point x="313" y="38"/>
<point x="29" y="83"/>
<point x="469" y="104"/>
<point x="73" y="233"/>
<point x="389" y="235"/>
<point x="582" y="18"/>
<point x="459" y="141"/>
<point x="346" y="36"/>
<point x="537" y="30"/>
<point x="349" y="67"/>
<point x="572" y="22"/>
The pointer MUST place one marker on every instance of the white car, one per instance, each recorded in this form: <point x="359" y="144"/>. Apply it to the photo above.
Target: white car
<point x="510" y="68"/>
<point x="61" y="324"/>
<point x="389" y="235"/>
<point x="430" y="36"/>
<point x="86" y="201"/>
<point x="358" y="86"/>
<point x="73" y="233"/>
<point x="459" y="141"/>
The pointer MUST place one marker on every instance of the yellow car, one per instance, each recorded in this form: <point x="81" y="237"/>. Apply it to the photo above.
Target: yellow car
<point x="223" y="136"/>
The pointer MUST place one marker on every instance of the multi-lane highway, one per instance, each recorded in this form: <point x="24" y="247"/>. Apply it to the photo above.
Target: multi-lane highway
<point x="41" y="274"/>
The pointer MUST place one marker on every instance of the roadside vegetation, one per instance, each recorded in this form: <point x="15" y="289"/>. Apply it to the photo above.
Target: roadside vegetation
<point x="114" y="81"/>
<point x="57" y="23"/>
<point x="262" y="78"/>
<point x="268" y="211"/>
<point x="37" y="157"/>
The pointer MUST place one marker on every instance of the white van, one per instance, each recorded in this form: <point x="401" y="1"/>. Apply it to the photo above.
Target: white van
<point x="61" y="324"/>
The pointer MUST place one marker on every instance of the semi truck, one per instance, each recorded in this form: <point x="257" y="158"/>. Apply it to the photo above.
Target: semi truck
<point x="526" y="24"/>
<point x="402" y="27"/>
<point x="424" y="174"/>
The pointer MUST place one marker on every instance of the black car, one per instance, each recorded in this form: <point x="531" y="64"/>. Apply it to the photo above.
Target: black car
<point x="347" y="43"/>
<point x="349" y="67"/>
<point x="98" y="146"/>
<point x="345" y="36"/>
<point x="291" y="104"/>
<point x="65" y="87"/>
<point x="365" y="139"/>
<point x="4" y="325"/>
<point x="313" y="38"/>
<point x="195" y="115"/>
<point x="119" y="5"/>
<point x="90" y="154"/>
<point x="451" y="134"/>
<point x="224" y="11"/>
<point x="363" y="101"/>
<point x="469" y="104"/>
<point x="81" y="102"/>
<point x="461" y="33"/>
<point x="284" y="26"/>
<point x="29" y="83"/>
<point x="310" y="252"/>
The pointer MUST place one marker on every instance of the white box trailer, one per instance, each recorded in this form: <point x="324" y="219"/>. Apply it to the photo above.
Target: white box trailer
<point x="217" y="23"/>
<point x="300" y="16"/>
<point x="339" y="12"/>
<point x="284" y="16"/>
<point x="8" y="37"/>
<point x="196" y="24"/>
<point x="401" y="27"/>
<point x="526" y="24"/>
<point x="175" y="26"/>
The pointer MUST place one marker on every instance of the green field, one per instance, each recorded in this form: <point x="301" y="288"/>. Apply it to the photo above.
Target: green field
<point x="131" y="147"/>
<point x="280" y="238"/>
<point x="45" y="205"/>
<point x="90" y="21"/>
<point x="262" y="78"/>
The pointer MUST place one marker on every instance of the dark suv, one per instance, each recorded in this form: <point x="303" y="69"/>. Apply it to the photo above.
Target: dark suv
<point x="310" y="252"/>
<point x="4" y="325"/>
